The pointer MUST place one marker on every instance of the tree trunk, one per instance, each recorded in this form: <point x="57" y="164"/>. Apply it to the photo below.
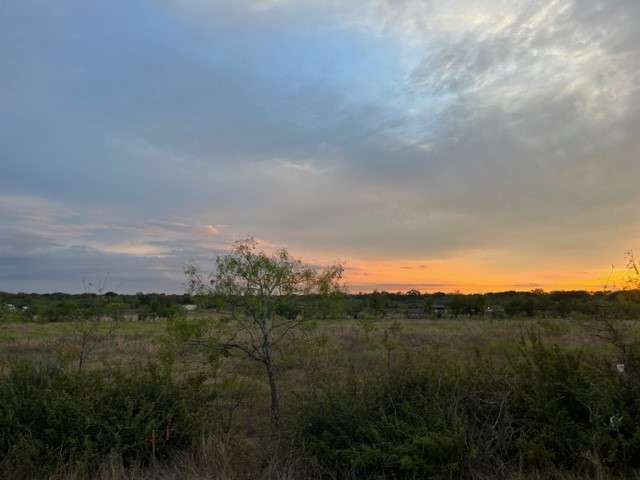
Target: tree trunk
<point x="275" y="407"/>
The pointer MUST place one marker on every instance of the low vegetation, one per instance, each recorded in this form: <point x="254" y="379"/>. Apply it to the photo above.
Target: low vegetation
<point x="58" y="421"/>
<point x="397" y="398"/>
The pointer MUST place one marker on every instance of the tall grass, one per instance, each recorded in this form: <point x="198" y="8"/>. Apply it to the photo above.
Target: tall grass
<point x="464" y="398"/>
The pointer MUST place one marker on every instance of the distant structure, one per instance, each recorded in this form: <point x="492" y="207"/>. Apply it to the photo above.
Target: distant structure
<point x="439" y="311"/>
<point x="190" y="307"/>
<point x="416" y="313"/>
<point x="495" y="311"/>
<point x="11" y="306"/>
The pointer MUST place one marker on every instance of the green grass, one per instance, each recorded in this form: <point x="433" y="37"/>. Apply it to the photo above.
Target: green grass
<point x="462" y="339"/>
<point x="17" y="330"/>
<point x="109" y="343"/>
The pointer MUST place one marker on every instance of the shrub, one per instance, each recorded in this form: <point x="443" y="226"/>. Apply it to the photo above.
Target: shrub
<point x="576" y="413"/>
<point x="51" y="420"/>
<point x="548" y="410"/>
<point x="398" y="428"/>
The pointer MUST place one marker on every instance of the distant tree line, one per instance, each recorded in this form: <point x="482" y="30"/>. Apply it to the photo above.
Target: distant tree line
<point x="535" y="303"/>
<point x="56" y="307"/>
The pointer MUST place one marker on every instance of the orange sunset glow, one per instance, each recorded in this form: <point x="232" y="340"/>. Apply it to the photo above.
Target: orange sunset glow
<point x="468" y="276"/>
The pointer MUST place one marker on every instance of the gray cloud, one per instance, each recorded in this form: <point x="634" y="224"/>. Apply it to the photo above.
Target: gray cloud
<point x="395" y="130"/>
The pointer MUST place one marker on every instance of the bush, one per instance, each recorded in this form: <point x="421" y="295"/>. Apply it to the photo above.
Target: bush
<point x="53" y="420"/>
<point x="398" y="428"/>
<point x="576" y="413"/>
<point x="548" y="410"/>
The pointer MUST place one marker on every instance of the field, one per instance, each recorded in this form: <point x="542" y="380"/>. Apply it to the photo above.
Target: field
<point x="459" y="338"/>
<point x="375" y="343"/>
<point x="359" y="368"/>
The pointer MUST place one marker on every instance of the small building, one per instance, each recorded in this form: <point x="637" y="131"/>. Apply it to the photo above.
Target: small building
<point x="190" y="307"/>
<point x="440" y="311"/>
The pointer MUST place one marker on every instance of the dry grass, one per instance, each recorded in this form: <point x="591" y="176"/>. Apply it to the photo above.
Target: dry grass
<point x="240" y="447"/>
<point x="307" y="361"/>
<point x="109" y="343"/>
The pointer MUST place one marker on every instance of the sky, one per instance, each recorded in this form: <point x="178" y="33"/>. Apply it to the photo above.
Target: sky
<point x="436" y="145"/>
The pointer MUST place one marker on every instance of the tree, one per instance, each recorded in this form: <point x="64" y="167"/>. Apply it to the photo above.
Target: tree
<point x="378" y="302"/>
<point x="256" y="286"/>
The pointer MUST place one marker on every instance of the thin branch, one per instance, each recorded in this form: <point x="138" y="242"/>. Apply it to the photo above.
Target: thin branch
<point x="253" y="353"/>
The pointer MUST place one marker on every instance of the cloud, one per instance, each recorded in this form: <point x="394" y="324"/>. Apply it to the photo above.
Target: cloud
<point x="402" y="130"/>
<point x="527" y="285"/>
<point x="46" y="246"/>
